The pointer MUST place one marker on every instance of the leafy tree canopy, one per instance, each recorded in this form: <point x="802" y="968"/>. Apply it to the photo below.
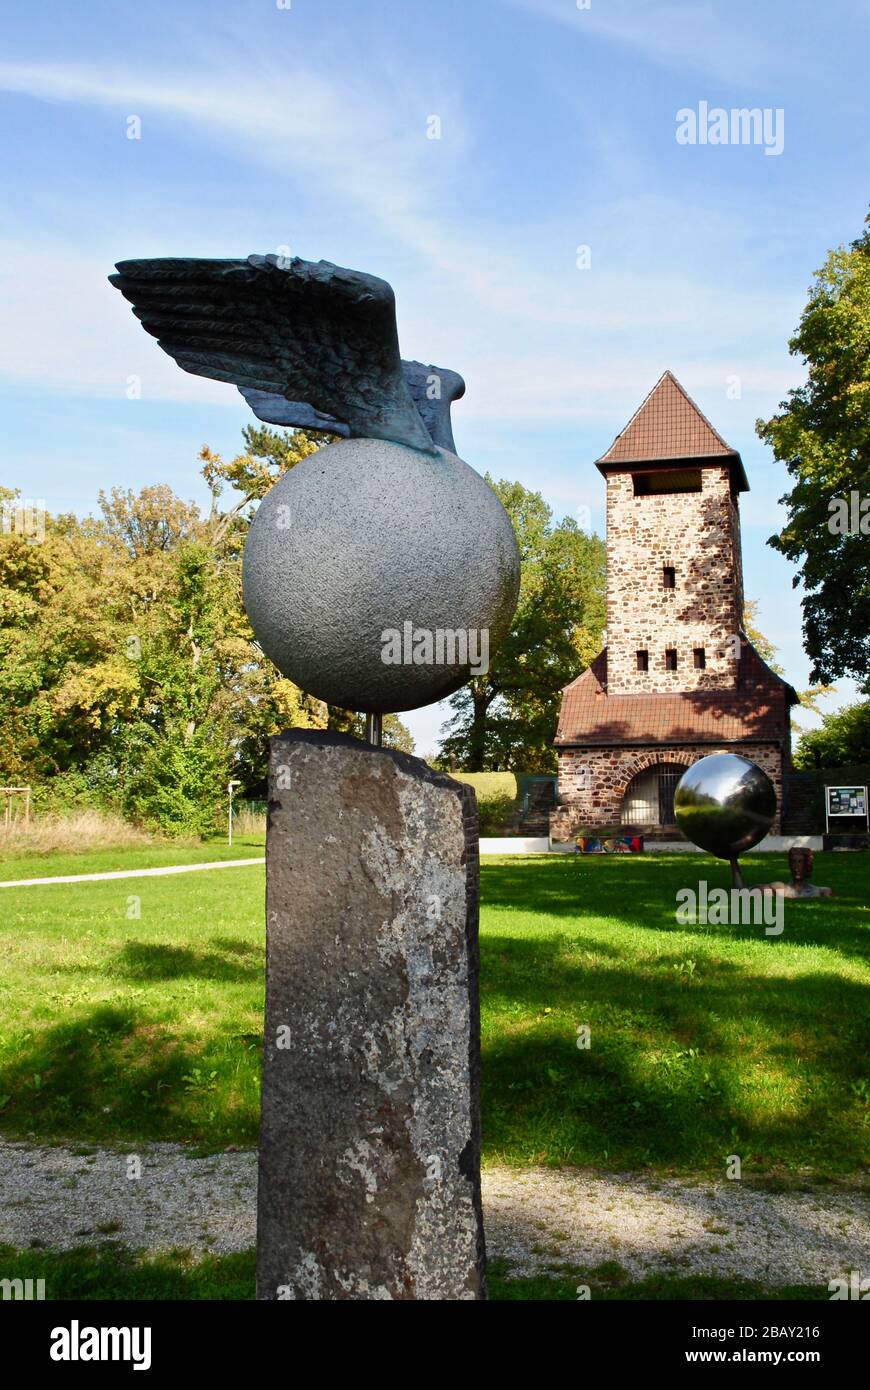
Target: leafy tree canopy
<point x="822" y="435"/>
<point x="129" y="674"/>
<point x="507" y="717"/>
<point x="843" y="739"/>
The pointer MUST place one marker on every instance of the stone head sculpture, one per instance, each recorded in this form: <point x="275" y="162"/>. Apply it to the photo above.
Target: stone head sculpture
<point x="381" y="571"/>
<point x="800" y="863"/>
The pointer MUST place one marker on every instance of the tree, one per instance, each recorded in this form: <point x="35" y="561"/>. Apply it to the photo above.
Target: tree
<point x="129" y="674"/>
<point x="843" y="739"/>
<point x="506" y="718"/>
<point x="807" y="699"/>
<point x="822" y="434"/>
<point x="65" y="681"/>
<point x="268" y="455"/>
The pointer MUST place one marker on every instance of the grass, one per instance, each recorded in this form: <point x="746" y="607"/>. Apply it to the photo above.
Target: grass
<point x="133" y="1011"/>
<point x="111" y="1272"/>
<point x="57" y="834"/>
<point x="133" y="1008"/>
<point x="88" y="859"/>
<point x="497" y="798"/>
<point x="490" y="786"/>
<point x="249" y="824"/>
<point x="705" y="1041"/>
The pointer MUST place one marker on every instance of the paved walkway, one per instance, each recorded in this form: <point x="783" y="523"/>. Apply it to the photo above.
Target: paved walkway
<point x="132" y="873"/>
<point x="539" y="1217"/>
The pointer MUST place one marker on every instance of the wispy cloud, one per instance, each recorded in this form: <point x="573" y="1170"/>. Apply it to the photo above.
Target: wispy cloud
<point x="723" y="41"/>
<point x="348" y="138"/>
<point x="539" y="338"/>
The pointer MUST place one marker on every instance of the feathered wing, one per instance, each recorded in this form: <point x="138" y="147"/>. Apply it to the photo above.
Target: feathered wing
<point x="277" y="410"/>
<point x="432" y="389"/>
<point x="311" y="332"/>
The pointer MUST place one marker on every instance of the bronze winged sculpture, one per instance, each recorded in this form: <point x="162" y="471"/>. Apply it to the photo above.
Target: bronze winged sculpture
<point x="381" y="571"/>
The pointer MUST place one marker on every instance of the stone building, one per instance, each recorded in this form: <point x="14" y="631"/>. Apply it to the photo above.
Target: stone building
<point x="678" y="678"/>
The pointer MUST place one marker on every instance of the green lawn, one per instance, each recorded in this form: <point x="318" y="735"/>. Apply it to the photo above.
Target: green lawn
<point x="99" y="861"/>
<point x="705" y="1041"/>
<point x="111" y="1272"/>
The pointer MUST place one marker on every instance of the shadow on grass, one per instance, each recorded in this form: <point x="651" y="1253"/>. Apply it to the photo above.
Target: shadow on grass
<point x="682" y="1070"/>
<point x="113" y="1273"/>
<point x="116" y="1074"/>
<point x="147" y="960"/>
<point x="110" y="1271"/>
<point x="640" y="891"/>
<point x="561" y="1284"/>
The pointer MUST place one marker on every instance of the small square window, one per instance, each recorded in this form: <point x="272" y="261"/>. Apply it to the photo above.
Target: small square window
<point x="669" y="577"/>
<point x="642" y="661"/>
<point x="700" y="659"/>
<point x="671" y="659"/>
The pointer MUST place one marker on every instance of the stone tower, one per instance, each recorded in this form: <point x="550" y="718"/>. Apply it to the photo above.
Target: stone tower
<point x="678" y="678"/>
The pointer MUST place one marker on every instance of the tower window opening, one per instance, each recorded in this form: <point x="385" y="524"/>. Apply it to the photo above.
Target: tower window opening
<point x="667" y="480"/>
<point x="671" y="659"/>
<point x="700" y="659"/>
<point x="642" y="660"/>
<point x="669" y="577"/>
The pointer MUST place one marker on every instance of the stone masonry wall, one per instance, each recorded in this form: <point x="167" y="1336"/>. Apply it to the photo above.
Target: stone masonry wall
<point x="698" y="533"/>
<point x="593" y="781"/>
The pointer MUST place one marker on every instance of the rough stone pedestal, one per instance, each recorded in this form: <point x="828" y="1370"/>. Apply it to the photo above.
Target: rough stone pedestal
<point x="369" y="1179"/>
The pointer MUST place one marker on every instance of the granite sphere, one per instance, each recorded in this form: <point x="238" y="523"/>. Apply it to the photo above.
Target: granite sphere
<point x="725" y="804"/>
<point x="379" y="577"/>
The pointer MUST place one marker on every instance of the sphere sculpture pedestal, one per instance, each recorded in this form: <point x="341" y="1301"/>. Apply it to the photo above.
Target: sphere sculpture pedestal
<point x="380" y="574"/>
<point x="369" y="1177"/>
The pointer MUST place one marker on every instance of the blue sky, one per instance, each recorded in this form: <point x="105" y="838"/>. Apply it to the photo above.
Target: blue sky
<point x="307" y="127"/>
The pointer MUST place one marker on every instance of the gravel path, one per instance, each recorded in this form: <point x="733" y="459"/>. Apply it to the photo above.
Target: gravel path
<point x="66" y="1197"/>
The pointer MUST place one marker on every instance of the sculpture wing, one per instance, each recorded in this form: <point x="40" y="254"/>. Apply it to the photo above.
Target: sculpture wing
<point x="311" y="332"/>
<point x="432" y="389"/>
<point x="277" y="410"/>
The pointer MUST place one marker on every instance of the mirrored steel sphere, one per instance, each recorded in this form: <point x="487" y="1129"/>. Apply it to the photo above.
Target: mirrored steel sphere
<point x="725" y="804"/>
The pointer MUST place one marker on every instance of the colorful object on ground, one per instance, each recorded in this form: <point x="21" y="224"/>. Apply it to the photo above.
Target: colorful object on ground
<point x="616" y="844"/>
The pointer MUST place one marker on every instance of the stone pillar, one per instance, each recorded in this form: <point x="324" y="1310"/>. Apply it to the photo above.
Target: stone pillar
<point x="369" y="1175"/>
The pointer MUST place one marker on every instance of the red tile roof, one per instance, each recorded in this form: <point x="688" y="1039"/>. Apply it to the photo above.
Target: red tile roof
<point x="668" y="425"/>
<point x="756" y="710"/>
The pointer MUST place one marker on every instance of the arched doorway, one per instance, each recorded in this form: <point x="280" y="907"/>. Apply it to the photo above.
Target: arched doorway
<point x="649" y="797"/>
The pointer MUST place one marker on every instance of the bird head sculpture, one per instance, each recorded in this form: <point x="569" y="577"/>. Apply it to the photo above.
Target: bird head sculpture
<point x="381" y="572"/>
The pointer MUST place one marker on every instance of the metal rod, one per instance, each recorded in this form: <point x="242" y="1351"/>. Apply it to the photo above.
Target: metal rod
<point x="375" y="730"/>
<point x="736" y="875"/>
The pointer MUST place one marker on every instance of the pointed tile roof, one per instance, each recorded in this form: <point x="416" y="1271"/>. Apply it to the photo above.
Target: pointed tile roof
<point x="669" y="426"/>
<point x="756" y="710"/>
